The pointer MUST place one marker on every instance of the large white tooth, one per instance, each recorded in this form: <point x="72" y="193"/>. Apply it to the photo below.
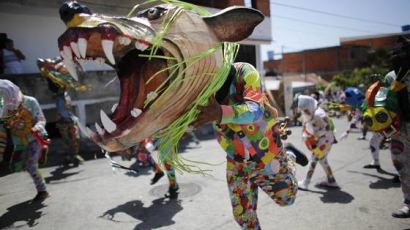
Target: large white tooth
<point x="108" y="124"/>
<point x="99" y="129"/>
<point x="135" y="112"/>
<point x="67" y="52"/>
<point x="114" y="107"/>
<point x="82" y="46"/>
<point x="70" y="66"/>
<point x="108" y="45"/>
<point x="75" y="49"/>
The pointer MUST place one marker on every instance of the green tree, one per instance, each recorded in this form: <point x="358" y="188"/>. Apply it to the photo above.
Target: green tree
<point x="377" y="66"/>
<point x="360" y="77"/>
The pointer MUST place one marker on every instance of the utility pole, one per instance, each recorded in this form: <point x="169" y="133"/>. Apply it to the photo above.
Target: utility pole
<point x="304" y="65"/>
<point x="282" y="63"/>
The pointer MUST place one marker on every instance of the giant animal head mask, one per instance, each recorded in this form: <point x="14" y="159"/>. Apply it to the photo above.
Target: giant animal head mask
<point x="55" y="70"/>
<point x="168" y="58"/>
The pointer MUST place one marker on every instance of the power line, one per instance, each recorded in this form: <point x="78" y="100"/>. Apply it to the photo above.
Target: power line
<point x="334" y="14"/>
<point x="325" y="25"/>
<point x="314" y="33"/>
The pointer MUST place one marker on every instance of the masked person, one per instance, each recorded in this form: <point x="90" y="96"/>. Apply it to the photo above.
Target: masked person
<point x="144" y="151"/>
<point x="319" y="138"/>
<point x="24" y="118"/>
<point x="400" y="142"/>
<point x="59" y="82"/>
<point x="246" y="129"/>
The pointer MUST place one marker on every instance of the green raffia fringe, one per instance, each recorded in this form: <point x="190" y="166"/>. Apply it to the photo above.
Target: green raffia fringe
<point x="169" y="137"/>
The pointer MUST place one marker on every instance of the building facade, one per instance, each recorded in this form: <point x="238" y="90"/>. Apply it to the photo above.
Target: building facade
<point x="35" y="26"/>
<point x="351" y="53"/>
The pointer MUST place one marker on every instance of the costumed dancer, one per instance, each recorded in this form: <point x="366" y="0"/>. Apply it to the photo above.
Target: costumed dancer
<point x="246" y="129"/>
<point x="319" y="138"/>
<point x="24" y="118"/>
<point x="245" y="125"/>
<point x="354" y="98"/>
<point x="393" y="117"/>
<point x="59" y="82"/>
<point x="144" y="152"/>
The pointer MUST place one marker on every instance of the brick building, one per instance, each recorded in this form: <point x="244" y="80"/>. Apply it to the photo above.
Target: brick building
<point x="324" y="61"/>
<point x="383" y="41"/>
<point x="352" y="53"/>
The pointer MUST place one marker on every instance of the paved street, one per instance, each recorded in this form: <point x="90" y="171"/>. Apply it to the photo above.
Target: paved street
<point x="93" y="197"/>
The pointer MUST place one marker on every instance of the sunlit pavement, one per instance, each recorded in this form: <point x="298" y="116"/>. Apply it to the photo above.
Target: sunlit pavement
<point x="92" y="196"/>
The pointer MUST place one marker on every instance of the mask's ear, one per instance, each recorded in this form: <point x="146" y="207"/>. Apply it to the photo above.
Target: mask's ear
<point x="234" y="23"/>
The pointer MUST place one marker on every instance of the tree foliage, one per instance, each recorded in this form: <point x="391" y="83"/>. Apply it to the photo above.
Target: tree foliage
<point x="360" y="77"/>
<point x="377" y="67"/>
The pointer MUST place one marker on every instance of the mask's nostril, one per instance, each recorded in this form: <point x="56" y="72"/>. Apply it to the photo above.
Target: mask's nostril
<point x="69" y="9"/>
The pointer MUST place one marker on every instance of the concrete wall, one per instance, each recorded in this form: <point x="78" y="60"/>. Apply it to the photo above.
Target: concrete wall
<point x="35" y="35"/>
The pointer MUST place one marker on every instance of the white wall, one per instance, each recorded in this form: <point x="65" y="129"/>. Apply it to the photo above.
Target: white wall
<point x="35" y="35"/>
<point x="35" y="32"/>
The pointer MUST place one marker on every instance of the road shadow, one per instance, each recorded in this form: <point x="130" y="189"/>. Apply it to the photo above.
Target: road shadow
<point x="159" y="214"/>
<point x="26" y="211"/>
<point x="333" y="195"/>
<point x="382" y="182"/>
<point x="59" y="174"/>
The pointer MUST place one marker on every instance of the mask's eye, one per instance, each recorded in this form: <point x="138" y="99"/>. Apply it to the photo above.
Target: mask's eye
<point x="152" y="13"/>
<point x="381" y="117"/>
<point x="368" y="121"/>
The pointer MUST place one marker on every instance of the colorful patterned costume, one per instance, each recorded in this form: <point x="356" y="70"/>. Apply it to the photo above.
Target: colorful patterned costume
<point x="398" y="128"/>
<point x="400" y="146"/>
<point x="144" y="153"/>
<point x="59" y="81"/>
<point x="24" y="118"/>
<point x="318" y="134"/>
<point x="255" y="155"/>
<point x="355" y="99"/>
<point x="387" y="111"/>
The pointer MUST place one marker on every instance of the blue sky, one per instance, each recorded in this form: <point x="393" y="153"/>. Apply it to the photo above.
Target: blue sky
<point x="291" y="34"/>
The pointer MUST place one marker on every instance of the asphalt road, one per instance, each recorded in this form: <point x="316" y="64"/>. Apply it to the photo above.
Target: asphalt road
<point x="92" y="196"/>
